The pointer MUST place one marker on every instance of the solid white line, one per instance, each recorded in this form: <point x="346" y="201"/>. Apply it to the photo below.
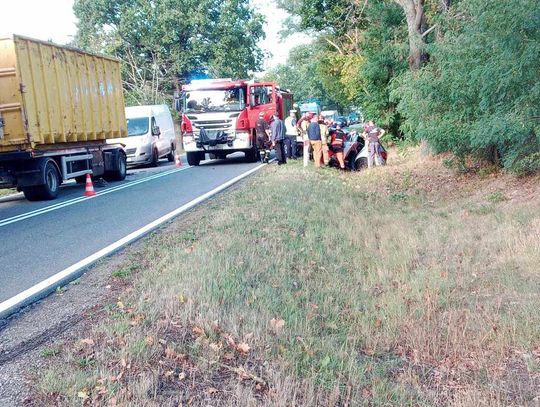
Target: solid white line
<point x="50" y="208"/>
<point x="46" y="286"/>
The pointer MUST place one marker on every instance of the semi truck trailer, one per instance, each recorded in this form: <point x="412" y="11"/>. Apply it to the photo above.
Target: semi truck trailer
<point x="58" y="108"/>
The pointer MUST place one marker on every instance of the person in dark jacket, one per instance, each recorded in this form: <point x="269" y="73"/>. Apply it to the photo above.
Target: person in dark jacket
<point x="337" y="145"/>
<point x="277" y="137"/>
<point x="314" y="136"/>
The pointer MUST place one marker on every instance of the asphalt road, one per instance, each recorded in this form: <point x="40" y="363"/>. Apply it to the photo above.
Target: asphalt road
<point x="39" y="239"/>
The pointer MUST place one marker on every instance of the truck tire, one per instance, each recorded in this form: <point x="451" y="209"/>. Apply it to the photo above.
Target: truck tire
<point x="194" y="158"/>
<point x="252" y="155"/>
<point x="171" y="156"/>
<point x="47" y="191"/>
<point x="120" y="168"/>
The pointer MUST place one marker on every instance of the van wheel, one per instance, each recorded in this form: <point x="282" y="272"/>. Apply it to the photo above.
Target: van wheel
<point x="171" y="156"/>
<point x="360" y="164"/>
<point x="194" y="158"/>
<point x="47" y="191"/>
<point x="155" y="159"/>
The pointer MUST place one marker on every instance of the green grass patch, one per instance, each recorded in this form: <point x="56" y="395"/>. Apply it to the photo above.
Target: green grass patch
<point x="330" y="289"/>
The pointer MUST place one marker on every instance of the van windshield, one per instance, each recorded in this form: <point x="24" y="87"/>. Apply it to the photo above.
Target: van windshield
<point x="138" y="126"/>
<point x="222" y="100"/>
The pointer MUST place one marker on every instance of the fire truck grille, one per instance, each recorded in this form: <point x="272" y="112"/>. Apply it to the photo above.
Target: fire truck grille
<point x="213" y="124"/>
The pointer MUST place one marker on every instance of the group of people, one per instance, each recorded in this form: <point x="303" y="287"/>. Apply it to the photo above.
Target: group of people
<point x="316" y="135"/>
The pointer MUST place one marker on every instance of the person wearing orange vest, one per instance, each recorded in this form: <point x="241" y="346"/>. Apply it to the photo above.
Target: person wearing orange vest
<point x="337" y="145"/>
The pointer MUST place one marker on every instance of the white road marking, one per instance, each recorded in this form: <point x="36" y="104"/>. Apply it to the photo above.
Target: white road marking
<point x="63" y="204"/>
<point x="41" y="289"/>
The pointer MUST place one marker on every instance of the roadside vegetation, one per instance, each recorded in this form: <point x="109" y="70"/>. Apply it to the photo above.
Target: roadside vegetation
<point x="7" y="191"/>
<point x="408" y="285"/>
<point x="459" y="75"/>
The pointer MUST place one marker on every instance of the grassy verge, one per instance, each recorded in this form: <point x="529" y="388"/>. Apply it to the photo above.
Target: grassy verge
<point x="8" y="191"/>
<point x="401" y="286"/>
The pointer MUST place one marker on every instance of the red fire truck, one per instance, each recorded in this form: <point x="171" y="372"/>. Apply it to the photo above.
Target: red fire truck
<point x="219" y="116"/>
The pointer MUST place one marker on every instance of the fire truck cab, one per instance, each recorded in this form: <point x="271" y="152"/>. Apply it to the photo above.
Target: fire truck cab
<point x="219" y="116"/>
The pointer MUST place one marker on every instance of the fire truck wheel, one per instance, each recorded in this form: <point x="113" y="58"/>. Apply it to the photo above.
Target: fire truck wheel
<point x="251" y="155"/>
<point x="193" y="158"/>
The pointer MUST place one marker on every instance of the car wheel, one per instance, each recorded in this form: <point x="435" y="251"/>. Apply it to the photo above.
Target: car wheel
<point x="361" y="163"/>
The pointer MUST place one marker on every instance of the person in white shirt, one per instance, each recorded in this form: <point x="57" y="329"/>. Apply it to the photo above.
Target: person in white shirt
<point x="290" y="136"/>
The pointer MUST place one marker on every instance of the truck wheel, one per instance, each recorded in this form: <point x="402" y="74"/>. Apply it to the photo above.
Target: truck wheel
<point x="120" y="169"/>
<point x="47" y="191"/>
<point x="193" y="158"/>
<point x="170" y="156"/>
<point x="251" y="155"/>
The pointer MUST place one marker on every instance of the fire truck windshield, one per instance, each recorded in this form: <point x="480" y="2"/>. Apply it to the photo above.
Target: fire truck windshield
<point x="214" y="100"/>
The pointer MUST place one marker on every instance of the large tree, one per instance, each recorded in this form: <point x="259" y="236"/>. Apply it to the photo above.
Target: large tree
<point x="161" y="41"/>
<point x="480" y="93"/>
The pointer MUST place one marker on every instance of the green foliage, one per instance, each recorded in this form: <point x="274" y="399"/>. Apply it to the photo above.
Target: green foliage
<point x="359" y="49"/>
<point x="480" y="94"/>
<point x="385" y="50"/>
<point x="162" y="41"/>
<point x="304" y="75"/>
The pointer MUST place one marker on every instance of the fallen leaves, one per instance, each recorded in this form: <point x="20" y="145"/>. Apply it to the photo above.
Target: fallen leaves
<point x="243" y="347"/>
<point x="198" y="331"/>
<point x="277" y="324"/>
<point x="149" y="340"/>
<point x="88" y="341"/>
<point x="83" y="394"/>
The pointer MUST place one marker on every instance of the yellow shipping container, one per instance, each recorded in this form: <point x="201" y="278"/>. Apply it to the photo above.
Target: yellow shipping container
<point x="52" y="97"/>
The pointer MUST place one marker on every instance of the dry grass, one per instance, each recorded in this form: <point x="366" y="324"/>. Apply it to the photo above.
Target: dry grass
<point x="407" y="285"/>
<point x="7" y="191"/>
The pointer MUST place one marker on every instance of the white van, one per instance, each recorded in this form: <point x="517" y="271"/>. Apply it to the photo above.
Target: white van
<point x="151" y="135"/>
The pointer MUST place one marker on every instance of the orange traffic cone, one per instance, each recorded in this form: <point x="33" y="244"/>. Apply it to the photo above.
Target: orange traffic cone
<point x="89" y="189"/>
<point x="178" y="162"/>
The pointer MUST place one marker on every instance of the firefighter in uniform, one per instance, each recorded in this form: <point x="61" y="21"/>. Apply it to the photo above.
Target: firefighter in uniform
<point x="337" y="145"/>
<point x="262" y="132"/>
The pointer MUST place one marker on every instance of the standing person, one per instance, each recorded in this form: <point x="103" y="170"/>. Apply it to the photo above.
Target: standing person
<point x="314" y="136"/>
<point x="338" y="145"/>
<point x="277" y="136"/>
<point x="302" y="126"/>
<point x="291" y="134"/>
<point x="325" y="139"/>
<point x="262" y="132"/>
<point x="372" y="134"/>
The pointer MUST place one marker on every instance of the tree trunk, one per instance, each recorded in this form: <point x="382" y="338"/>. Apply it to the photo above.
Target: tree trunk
<point x="416" y="25"/>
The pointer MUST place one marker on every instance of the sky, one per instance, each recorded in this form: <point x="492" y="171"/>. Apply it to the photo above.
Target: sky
<point x="54" y="20"/>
